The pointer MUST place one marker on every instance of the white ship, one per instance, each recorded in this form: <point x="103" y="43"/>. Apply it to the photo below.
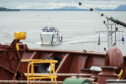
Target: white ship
<point x="50" y="35"/>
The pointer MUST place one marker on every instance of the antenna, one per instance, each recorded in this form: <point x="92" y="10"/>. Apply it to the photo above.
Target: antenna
<point x="49" y="18"/>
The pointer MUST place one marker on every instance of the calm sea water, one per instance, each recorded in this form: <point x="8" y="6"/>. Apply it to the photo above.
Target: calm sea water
<point x="77" y="27"/>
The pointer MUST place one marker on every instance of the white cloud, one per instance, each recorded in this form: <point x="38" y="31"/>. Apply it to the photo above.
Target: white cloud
<point x="41" y="5"/>
<point x="50" y="4"/>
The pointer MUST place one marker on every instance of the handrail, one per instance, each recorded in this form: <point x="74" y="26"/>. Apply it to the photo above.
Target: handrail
<point x="32" y="76"/>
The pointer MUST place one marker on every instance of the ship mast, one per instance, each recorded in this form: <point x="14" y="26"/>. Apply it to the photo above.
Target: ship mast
<point x="109" y="33"/>
<point x="49" y="22"/>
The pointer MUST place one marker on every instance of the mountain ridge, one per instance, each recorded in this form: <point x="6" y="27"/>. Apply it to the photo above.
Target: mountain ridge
<point x="67" y="8"/>
<point x="119" y="8"/>
<point x="7" y="9"/>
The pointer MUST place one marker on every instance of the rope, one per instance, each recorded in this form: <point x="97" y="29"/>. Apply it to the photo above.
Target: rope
<point x="120" y="74"/>
<point x="91" y="9"/>
<point x="108" y="18"/>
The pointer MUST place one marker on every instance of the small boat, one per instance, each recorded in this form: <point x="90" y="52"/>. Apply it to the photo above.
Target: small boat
<point x="50" y="36"/>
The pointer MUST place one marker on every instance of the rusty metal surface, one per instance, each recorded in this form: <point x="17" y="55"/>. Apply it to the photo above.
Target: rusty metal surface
<point x="107" y="73"/>
<point x="76" y="62"/>
<point x="71" y="62"/>
<point x="114" y="60"/>
<point x="114" y="57"/>
<point x="9" y="60"/>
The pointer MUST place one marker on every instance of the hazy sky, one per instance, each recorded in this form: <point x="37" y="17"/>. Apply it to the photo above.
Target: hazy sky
<point x="50" y="4"/>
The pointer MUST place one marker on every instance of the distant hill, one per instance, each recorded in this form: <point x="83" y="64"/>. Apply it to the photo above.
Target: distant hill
<point x="6" y="9"/>
<point x="69" y="7"/>
<point x="72" y="8"/>
<point x="121" y="8"/>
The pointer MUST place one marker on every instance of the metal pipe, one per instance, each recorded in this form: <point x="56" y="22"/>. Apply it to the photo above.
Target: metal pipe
<point x="61" y="74"/>
<point x="43" y="82"/>
<point x="108" y="43"/>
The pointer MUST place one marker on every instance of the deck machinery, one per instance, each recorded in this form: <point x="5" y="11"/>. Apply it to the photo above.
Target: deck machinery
<point x="14" y="61"/>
